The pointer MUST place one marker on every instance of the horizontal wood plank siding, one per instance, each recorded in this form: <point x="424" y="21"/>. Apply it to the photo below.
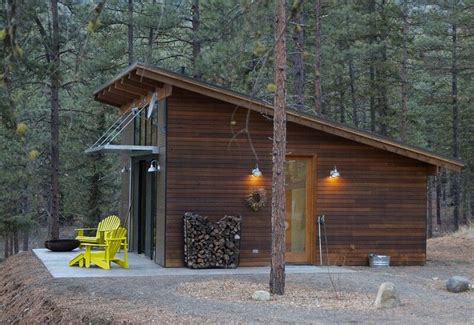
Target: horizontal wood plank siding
<point x="376" y="206"/>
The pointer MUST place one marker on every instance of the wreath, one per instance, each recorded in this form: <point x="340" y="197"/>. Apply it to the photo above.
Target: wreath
<point x="257" y="199"/>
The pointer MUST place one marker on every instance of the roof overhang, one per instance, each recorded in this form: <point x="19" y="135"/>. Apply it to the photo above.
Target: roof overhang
<point x="151" y="79"/>
<point x="129" y="89"/>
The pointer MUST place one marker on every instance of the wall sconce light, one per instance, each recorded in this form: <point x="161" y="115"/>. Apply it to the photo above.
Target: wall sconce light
<point x="334" y="173"/>
<point x="256" y="171"/>
<point x="125" y="169"/>
<point x="154" y="167"/>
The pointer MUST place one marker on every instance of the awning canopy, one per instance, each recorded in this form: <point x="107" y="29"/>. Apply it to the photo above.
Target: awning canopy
<point x="105" y="142"/>
<point x="123" y="148"/>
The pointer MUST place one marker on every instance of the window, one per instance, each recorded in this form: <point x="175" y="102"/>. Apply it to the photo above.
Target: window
<point x="145" y="130"/>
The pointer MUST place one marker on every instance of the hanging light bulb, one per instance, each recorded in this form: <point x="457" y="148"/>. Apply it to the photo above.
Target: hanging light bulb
<point x="334" y="173"/>
<point x="154" y="167"/>
<point x="256" y="171"/>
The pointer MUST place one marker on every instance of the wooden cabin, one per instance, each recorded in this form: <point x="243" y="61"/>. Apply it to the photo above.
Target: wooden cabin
<point x="376" y="205"/>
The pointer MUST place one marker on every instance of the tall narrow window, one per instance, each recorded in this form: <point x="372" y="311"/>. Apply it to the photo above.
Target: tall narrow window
<point x="147" y="130"/>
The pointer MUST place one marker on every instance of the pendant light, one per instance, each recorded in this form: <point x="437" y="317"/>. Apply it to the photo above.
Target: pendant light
<point x="334" y="173"/>
<point x="154" y="167"/>
<point x="256" y="171"/>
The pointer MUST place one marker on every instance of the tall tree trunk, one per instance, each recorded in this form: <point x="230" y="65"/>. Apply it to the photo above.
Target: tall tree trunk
<point x="298" y="56"/>
<point x="10" y="245"/>
<point x="131" y="55"/>
<point x="196" y="42"/>
<point x="350" y="70"/>
<point x="55" y="84"/>
<point x="382" y="74"/>
<point x="363" y="116"/>
<point x="9" y="47"/>
<point x="355" y="114"/>
<point x="6" y="248"/>
<point x="26" y="240"/>
<point x="149" y="58"/>
<point x="342" y="107"/>
<point x="471" y="205"/>
<point x="429" y="214"/>
<point x="150" y="46"/>
<point x="372" y="98"/>
<point x="317" y="72"/>
<point x="438" y="199"/>
<point x="16" y="245"/>
<point x="372" y="72"/>
<point x="444" y="190"/>
<point x="25" y="200"/>
<point x="464" y="202"/>
<point x="341" y="47"/>
<point x="277" y="273"/>
<point x="455" y="107"/>
<point x="403" y="75"/>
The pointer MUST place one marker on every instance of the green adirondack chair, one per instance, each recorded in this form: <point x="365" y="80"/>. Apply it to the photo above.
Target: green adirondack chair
<point x="110" y="223"/>
<point x="106" y="253"/>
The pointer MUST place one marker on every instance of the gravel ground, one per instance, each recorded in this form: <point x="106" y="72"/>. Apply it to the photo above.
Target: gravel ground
<point x="296" y="295"/>
<point x="28" y="294"/>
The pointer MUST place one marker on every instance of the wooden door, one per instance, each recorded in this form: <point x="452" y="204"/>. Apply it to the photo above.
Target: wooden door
<point x="299" y="192"/>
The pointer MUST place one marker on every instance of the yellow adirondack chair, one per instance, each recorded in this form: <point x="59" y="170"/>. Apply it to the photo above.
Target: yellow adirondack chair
<point x="108" y="224"/>
<point x="114" y="240"/>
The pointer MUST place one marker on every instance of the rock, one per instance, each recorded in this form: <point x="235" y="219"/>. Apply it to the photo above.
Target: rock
<point x="435" y="278"/>
<point x="261" y="295"/>
<point x="387" y="296"/>
<point x="457" y="284"/>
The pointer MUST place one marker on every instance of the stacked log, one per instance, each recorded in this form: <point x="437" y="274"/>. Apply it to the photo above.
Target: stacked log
<point x="211" y="244"/>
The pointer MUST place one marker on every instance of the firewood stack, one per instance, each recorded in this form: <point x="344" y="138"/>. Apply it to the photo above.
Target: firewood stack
<point x="211" y="244"/>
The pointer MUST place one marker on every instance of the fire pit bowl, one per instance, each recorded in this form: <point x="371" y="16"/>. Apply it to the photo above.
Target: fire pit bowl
<point x="62" y="245"/>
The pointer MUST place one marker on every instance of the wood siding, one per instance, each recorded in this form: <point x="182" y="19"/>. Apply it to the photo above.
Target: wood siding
<point x="376" y="206"/>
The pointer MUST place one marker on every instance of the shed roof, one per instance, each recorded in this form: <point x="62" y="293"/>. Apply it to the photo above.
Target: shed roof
<point x="138" y="80"/>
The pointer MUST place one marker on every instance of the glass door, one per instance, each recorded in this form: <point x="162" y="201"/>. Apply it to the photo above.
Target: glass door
<point x="298" y="233"/>
<point x="144" y="212"/>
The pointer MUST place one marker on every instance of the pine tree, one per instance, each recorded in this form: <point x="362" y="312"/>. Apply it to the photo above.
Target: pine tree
<point x="277" y="273"/>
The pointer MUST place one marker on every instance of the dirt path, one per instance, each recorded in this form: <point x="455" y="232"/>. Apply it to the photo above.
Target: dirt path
<point x="29" y="294"/>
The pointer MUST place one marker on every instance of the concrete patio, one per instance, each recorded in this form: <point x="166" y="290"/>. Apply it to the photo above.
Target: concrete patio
<point x="57" y="265"/>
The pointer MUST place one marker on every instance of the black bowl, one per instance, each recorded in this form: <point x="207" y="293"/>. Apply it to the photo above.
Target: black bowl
<point x="62" y="245"/>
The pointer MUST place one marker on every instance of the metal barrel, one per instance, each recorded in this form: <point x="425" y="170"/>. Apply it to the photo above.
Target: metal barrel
<point x="379" y="260"/>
